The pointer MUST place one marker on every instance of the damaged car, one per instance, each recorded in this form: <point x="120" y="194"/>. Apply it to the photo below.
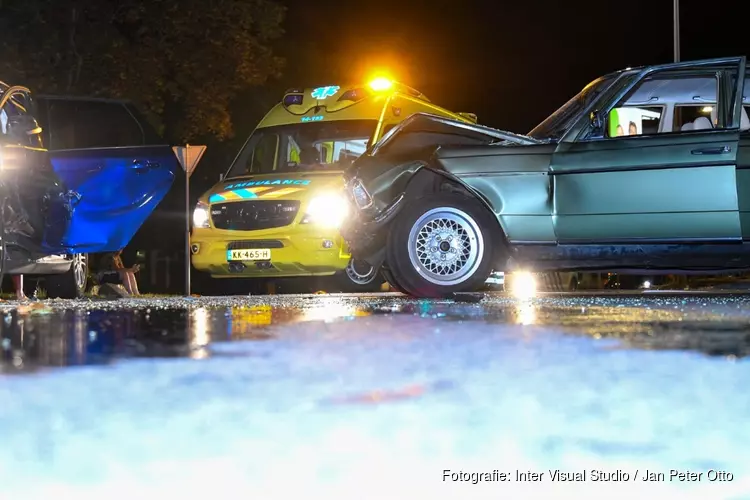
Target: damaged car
<point x="645" y="169"/>
<point x="59" y="205"/>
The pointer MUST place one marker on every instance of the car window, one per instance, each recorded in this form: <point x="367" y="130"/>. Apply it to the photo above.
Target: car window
<point x="263" y="158"/>
<point x="91" y="124"/>
<point x="685" y="115"/>
<point x="303" y="147"/>
<point x="691" y="96"/>
<point x="61" y="124"/>
<point x="150" y="135"/>
<point x="558" y="123"/>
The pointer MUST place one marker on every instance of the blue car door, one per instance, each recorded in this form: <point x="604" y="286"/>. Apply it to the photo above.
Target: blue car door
<point x="107" y="194"/>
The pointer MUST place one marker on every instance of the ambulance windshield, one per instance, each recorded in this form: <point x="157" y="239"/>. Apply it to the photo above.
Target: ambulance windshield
<point x="303" y="147"/>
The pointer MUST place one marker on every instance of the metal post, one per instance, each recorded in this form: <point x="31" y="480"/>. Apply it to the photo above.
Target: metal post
<point x="187" y="233"/>
<point x="676" y="10"/>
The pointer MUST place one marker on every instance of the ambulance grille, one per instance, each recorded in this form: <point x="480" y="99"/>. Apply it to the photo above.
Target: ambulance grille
<point x="254" y="215"/>
<point x="250" y="244"/>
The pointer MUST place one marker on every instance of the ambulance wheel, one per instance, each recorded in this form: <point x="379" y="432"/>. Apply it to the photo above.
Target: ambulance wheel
<point x="441" y="245"/>
<point x="71" y="284"/>
<point x="360" y="277"/>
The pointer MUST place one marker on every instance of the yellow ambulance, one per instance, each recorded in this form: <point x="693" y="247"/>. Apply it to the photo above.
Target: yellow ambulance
<point x="277" y="211"/>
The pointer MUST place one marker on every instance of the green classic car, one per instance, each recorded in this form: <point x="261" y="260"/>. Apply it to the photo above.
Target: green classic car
<point x="645" y="169"/>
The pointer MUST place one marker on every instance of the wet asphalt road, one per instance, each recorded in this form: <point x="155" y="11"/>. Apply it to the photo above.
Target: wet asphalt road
<point x="336" y="396"/>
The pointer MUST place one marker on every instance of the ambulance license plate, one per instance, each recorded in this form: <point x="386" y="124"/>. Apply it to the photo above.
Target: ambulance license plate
<point x="249" y="254"/>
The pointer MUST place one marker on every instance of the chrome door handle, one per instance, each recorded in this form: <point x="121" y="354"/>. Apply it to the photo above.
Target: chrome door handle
<point x="712" y="151"/>
<point x="140" y="166"/>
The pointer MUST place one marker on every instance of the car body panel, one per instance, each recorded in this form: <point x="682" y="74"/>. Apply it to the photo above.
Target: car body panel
<point x="620" y="190"/>
<point x="111" y="192"/>
<point x="515" y="183"/>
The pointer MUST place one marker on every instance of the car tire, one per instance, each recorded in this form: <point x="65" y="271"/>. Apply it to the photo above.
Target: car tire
<point x="71" y="284"/>
<point x="359" y="277"/>
<point x="391" y="280"/>
<point x="459" y="231"/>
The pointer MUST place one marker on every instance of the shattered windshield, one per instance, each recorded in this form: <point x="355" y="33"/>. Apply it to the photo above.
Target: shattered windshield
<point x="304" y="147"/>
<point x="555" y="126"/>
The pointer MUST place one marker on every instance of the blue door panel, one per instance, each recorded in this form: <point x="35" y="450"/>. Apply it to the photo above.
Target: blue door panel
<point x="108" y="194"/>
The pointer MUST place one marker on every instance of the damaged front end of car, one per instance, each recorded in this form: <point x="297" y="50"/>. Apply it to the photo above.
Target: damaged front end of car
<point x="400" y="169"/>
<point x="366" y="231"/>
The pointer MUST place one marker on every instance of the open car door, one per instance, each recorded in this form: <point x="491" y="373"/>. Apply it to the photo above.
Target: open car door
<point x="107" y="194"/>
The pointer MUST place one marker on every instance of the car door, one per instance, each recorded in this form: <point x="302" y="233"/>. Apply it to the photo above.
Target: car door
<point x="743" y="164"/>
<point x="110" y="181"/>
<point x="661" y="186"/>
<point x="106" y="195"/>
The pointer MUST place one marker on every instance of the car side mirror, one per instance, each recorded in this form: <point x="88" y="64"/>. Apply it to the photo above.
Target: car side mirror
<point x="598" y="124"/>
<point x="596" y="121"/>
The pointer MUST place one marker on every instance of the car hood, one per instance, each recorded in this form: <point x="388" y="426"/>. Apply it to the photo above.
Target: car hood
<point x="415" y="142"/>
<point x="287" y="186"/>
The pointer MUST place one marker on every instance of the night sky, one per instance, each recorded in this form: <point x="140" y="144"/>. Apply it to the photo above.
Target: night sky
<point x="511" y="63"/>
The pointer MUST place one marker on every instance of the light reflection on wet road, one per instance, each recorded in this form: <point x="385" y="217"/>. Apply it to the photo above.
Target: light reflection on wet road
<point x="305" y="394"/>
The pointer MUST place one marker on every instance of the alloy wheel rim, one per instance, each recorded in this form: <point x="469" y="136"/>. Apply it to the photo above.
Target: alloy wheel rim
<point x="446" y="246"/>
<point x="358" y="277"/>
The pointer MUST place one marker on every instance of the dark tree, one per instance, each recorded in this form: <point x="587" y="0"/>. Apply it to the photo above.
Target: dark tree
<point x="182" y="61"/>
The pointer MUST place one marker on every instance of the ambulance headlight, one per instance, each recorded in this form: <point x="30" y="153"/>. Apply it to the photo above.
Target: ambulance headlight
<point x="329" y="210"/>
<point x="200" y="215"/>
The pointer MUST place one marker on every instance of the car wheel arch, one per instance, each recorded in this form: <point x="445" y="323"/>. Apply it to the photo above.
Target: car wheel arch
<point x="428" y="180"/>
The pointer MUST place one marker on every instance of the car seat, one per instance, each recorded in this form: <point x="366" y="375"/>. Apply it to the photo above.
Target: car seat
<point x="687" y="127"/>
<point x="702" y="123"/>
